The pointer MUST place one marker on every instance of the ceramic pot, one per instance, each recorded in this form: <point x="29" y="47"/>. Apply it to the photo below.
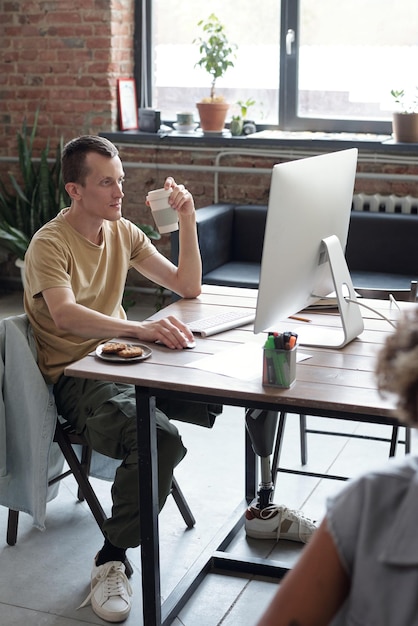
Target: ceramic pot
<point x="405" y="127"/>
<point x="212" y="115"/>
<point x="236" y="127"/>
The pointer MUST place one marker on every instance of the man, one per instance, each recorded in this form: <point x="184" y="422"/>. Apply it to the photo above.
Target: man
<point x="76" y="268"/>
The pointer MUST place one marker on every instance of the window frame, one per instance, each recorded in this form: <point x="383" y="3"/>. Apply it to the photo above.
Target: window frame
<point x="289" y="120"/>
<point x="288" y="88"/>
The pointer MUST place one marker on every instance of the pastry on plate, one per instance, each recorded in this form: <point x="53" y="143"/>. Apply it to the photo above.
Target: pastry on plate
<point x="113" y="347"/>
<point x="130" y="351"/>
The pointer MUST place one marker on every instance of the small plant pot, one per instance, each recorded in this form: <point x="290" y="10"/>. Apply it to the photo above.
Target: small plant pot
<point x="405" y="127"/>
<point x="212" y="115"/>
<point x="236" y="127"/>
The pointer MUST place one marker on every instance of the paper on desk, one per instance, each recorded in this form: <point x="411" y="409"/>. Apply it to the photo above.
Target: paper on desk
<point x="244" y="362"/>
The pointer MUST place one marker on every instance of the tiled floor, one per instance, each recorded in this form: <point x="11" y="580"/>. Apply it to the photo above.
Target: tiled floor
<point x="45" y="576"/>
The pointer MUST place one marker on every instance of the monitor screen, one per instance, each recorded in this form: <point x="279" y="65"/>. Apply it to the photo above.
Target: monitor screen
<point x="310" y="201"/>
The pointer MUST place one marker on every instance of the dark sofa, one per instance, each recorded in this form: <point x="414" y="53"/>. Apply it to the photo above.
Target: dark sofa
<point x="381" y="249"/>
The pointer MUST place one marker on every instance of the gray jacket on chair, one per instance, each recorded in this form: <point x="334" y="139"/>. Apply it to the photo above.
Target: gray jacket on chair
<point x="28" y="456"/>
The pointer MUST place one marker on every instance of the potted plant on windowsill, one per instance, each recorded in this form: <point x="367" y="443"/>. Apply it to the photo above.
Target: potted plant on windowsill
<point x="405" y="119"/>
<point x="237" y="125"/>
<point x="216" y="57"/>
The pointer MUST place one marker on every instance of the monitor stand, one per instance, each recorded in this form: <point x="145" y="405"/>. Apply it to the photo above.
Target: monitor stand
<point x="351" y="319"/>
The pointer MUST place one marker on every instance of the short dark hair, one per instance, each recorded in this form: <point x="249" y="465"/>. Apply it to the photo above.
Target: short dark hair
<point x="73" y="158"/>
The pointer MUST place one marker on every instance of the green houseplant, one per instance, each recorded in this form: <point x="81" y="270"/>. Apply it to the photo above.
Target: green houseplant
<point x="32" y="198"/>
<point x="216" y="57"/>
<point x="405" y="118"/>
<point x="238" y="121"/>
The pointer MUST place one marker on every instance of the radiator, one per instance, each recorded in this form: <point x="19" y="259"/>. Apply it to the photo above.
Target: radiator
<point x="385" y="204"/>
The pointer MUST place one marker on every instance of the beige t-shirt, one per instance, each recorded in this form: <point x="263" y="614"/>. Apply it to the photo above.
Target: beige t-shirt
<point x="58" y="256"/>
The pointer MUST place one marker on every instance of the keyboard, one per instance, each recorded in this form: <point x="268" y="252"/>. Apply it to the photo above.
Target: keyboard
<point x="219" y="322"/>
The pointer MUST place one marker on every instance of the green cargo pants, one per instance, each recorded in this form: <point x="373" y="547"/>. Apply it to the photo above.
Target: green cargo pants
<point x="105" y="413"/>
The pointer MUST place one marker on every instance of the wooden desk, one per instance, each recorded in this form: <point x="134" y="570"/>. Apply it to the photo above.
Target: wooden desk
<point x="332" y="383"/>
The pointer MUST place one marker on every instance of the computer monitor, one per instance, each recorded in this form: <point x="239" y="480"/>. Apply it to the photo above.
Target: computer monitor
<point x="303" y="254"/>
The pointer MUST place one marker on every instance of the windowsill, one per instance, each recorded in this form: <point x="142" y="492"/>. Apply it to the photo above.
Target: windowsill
<point x="269" y="139"/>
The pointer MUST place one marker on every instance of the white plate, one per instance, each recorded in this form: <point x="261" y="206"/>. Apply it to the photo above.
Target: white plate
<point x="120" y="359"/>
<point x="185" y="129"/>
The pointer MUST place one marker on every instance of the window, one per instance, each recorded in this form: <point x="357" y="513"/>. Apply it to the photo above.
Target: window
<point x="345" y="59"/>
<point x="175" y="84"/>
<point x="308" y="64"/>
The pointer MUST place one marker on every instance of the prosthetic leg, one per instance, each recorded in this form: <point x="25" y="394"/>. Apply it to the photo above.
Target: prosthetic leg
<point x="264" y="519"/>
<point x="261" y="427"/>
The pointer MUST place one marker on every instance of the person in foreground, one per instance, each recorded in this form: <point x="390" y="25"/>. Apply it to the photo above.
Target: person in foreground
<point x="361" y="566"/>
<point x="75" y="273"/>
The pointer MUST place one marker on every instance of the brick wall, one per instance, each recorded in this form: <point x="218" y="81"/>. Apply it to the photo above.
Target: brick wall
<point x="63" y="57"/>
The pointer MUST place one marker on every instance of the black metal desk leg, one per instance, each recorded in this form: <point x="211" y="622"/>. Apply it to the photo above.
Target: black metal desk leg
<point x="148" y="506"/>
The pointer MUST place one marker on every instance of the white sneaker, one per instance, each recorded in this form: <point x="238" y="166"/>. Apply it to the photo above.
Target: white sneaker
<point x="278" y="522"/>
<point x="110" y="592"/>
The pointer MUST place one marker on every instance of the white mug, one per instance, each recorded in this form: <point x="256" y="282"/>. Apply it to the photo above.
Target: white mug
<point x="165" y="217"/>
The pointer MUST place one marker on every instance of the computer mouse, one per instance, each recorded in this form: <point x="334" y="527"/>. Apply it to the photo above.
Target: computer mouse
<point x="188" y="346"/>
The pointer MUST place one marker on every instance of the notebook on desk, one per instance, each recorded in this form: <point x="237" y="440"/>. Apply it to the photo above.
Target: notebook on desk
<point x="219" y="322"/>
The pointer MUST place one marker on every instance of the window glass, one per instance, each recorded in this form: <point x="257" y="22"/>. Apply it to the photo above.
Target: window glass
<point x="352" y="53"/>
<point x="346" y="58"/>
<point x="178" y="84"/>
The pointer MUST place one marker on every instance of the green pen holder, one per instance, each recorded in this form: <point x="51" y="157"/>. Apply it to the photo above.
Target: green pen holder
<point x="279" y="367"/>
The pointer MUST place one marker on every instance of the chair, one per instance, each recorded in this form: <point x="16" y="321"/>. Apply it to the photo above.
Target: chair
<point x="403" y="295"/>
<point x="22" y="386"/>
<point x="394" y="440"/>
<point x="66" y="437"/>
